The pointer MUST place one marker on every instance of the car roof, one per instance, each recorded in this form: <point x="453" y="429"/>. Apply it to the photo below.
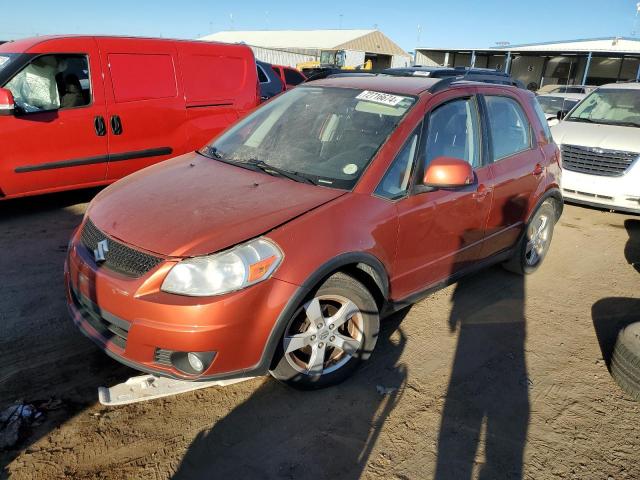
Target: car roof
<point x="626" y="86"/>
<point x="382" y="83"/>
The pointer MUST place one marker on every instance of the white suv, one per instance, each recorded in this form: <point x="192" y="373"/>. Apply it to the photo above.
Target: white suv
<point x="600" y="145"/>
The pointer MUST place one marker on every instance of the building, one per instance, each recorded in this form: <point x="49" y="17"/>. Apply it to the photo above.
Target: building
<point x="588" y="62"/>
<point x="290" y="47"/>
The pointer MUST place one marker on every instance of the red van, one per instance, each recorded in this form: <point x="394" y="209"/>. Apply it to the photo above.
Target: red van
<point x="82" y="111"/>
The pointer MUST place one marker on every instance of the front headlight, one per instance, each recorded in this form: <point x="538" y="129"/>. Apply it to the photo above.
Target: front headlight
<point x="224" y="272"/>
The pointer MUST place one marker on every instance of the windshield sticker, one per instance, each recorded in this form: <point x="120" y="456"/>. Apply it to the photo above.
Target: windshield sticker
<point x="350" y="169"/>
<point x="379" y="97"/>
<point x="421" y="73"/>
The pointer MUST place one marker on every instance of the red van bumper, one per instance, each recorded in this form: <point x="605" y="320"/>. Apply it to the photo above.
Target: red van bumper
<point x="136" y="323"/>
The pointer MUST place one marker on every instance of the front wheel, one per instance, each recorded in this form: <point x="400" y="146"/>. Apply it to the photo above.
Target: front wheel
<point x="329" y="335"/>
<point x="534" y="244"/>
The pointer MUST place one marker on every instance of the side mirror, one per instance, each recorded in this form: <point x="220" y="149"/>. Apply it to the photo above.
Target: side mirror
<point x="562" y="114"/>
<point x="448" y="172"/>
<point x="7" y="104"/>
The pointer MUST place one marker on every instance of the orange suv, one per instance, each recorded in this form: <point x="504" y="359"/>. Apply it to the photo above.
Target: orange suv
<point x="280" y="245"/>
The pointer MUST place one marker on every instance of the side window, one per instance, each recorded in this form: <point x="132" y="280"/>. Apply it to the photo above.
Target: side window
<point x="395" y="182"/>
<point x="142" y="76"/>
<point x="453" y="131"/>
<point x="292" y="77"/>
<point x="52" y="82"/>
<point x="262" y="76"/>
<point x="542" y="118"/>
<point x="508" y="125"/>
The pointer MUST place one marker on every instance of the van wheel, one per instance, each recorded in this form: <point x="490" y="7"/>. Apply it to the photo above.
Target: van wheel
<point x="329" y="335"/>
<point x="534" y="244"/>
<point x="625" y="361"/>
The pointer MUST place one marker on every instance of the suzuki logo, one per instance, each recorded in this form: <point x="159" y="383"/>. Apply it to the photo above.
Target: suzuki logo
<point x="99" y="253"/>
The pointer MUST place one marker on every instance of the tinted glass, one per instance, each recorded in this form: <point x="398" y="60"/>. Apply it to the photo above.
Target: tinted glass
<point x="5" y="60"/>
<point x="542" y="118"/>
<point x="395" y="182"/>
<point x="508" y="125"/>
<point x="262" y="77"/>
<point x="328" y="135"/>
<point x="453" y="132"/>
<point x="292" y="77"/>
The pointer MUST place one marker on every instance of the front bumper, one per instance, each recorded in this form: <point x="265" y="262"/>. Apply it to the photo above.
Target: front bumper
<point x="136" y="323"/>
<point x="615" y="193"/>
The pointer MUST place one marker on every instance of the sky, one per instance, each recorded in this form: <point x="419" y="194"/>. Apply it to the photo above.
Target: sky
<point x="427" y="23"/>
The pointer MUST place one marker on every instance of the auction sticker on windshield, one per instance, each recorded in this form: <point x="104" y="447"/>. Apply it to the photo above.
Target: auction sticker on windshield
<point x="379" y="97"/>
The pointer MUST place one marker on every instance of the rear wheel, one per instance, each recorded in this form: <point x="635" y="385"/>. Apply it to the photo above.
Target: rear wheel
<point x="534" y="244"/>
<point x="329" y="335"/>
<point x="625" y="362"/>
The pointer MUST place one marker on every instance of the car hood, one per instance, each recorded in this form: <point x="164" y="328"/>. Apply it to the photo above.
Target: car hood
<point x="193" y="205"/>
<point x="596" y="135"/>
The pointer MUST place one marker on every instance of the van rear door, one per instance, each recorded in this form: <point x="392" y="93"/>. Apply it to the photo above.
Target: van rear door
<point x="146" y="115"/>
<point x="56" y="140"/>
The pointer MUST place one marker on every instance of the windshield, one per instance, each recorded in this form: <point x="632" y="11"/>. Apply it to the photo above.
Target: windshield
<point x="5" y="59"/>
<point x="326" y="136"/>
<point x="327" y="58"/>
<point x="553" y="105"/>
<point x="609" y="106"/>
<point x="568" y="90"/>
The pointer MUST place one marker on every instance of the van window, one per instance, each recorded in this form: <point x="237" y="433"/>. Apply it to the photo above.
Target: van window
<point x="52" y="82"/>
<point x="209" y="77"/>
<point x="262" y="76"/>
<point x="142" y="76"/>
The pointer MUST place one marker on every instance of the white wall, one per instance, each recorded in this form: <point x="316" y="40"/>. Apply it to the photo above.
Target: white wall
<point x="280" y="57"/>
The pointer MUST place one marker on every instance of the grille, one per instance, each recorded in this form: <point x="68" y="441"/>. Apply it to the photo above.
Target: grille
<point x="596" y="161"/>
<point x="108" y="326"/>
<point x="163" y="357"/>
<point x="119" y="258"/>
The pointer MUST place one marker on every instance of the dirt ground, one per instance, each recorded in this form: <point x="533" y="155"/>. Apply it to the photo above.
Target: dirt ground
<point x="495" y="377"/>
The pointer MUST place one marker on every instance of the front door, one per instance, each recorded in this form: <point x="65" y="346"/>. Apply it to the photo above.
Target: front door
<point x="441" y="231"/>
<point x="56" y="138"/>
<point x="145" y="103"/>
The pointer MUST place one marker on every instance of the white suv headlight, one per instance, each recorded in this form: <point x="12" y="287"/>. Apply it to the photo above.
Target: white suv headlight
<point x="224" y="272"/>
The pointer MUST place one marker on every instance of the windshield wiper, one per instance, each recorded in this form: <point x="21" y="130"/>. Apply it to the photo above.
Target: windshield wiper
<point x="270" y="169"/>
<point x="622" y="124"/>
<point x="580" y="119"/>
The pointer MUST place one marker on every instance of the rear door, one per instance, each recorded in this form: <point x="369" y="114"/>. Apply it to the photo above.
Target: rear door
<point x="146" y="114"/>
<point x="56" y="139"/>
<point x="441" y="231"/>
<point x="517" y="166"/>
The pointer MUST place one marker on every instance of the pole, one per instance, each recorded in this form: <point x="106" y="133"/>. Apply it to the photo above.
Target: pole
<point x="586" y="69"/>
<point x="473" y="59"/>
<point x="507" y="65"/>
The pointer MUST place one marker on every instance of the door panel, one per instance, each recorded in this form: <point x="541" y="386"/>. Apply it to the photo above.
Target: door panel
<point x="513" y="169"/>
<point x="441" y="231"/>
<point x="145" y="103"/>
<point x="60" y="148"/>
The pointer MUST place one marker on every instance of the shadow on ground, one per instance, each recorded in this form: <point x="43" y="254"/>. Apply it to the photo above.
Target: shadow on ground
<point x="44" y="360"/>
<point x="612" y="314"/>
<point x="284" y="433"/>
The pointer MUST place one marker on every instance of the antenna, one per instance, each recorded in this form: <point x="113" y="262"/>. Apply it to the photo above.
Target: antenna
<point x="231" y="18"/>
<point x="634" y="32"/>
<point x="419" y="29"/>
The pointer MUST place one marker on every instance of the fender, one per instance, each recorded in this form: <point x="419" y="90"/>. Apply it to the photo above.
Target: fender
<point x="552" y="192"/>
<point x="366" y="262"/>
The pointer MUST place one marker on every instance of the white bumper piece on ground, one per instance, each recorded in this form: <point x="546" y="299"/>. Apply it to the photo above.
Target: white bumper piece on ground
<point x="149" y="387"/>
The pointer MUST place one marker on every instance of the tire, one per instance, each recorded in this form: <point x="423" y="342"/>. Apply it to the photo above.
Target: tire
<point x="625" y="361"/>
<point x="340" y="312"/>
<point x="534" y="243"/>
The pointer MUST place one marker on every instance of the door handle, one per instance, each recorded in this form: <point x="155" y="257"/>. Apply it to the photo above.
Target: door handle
<point x="538" y="170"/>
<point x="99" y="126"/>
<point x="116" y="125"/>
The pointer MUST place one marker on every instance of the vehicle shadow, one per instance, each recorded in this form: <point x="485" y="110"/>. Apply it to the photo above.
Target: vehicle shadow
<point x="44" y="359"/>
<point x="612" y="314"/>
<point x="284" y="433"/>
<point x="485" y="418"/>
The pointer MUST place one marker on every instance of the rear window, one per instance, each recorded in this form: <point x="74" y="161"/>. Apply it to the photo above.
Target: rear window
<point x="142" y="76"/>
<point x="292" y="77"/>
<point x="217" y="77"/>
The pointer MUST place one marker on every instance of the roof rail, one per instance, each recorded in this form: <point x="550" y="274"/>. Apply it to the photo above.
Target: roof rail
<point x="472" y="77"/>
